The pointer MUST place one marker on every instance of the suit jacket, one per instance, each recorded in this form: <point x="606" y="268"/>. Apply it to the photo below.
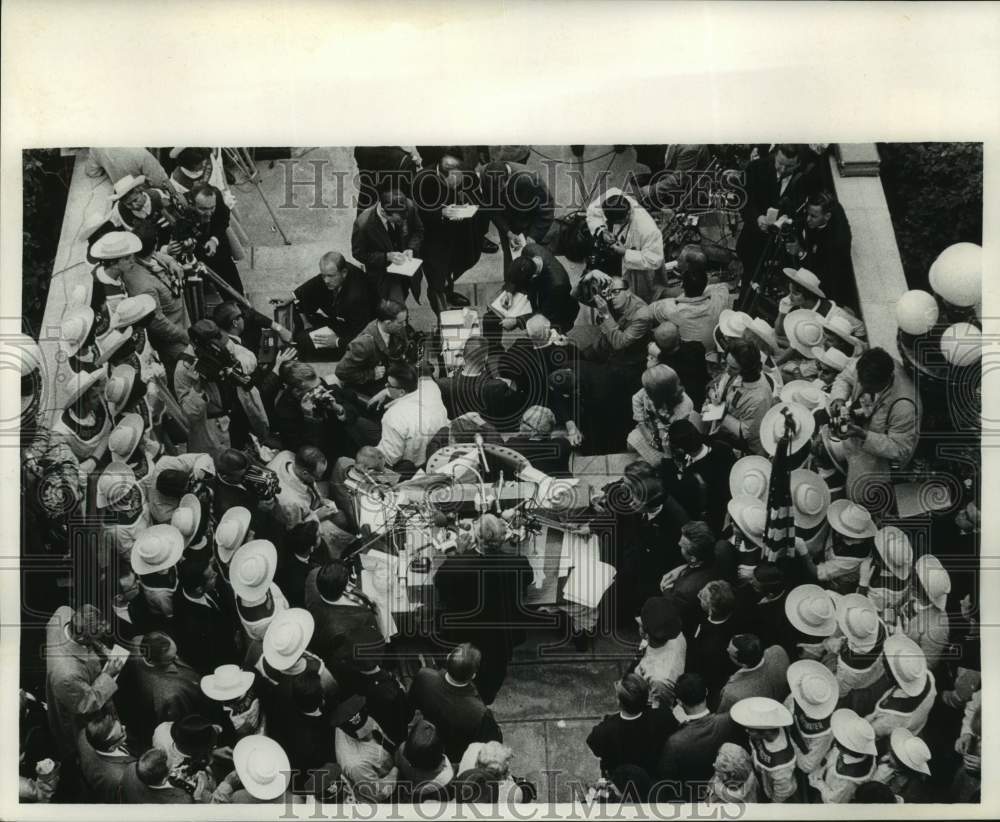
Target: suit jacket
<point x="828" y="256"/>
<point x="518" y="201"/>
<point x="689" y="753"/>
<point x="450" y="247"/>
<point x="204" y="635"/>
<point x="366" y="351"/>
<point x="161" y="694"/>
<point x="345" y="631"/>
<point x="707" y="653"/>
<point x="135" y="792"/>
<point x="530" y="368"/>
<point x="616" y="741"/>
<point x="767" y="680"/>
<point x="379" y="164"/>
<point x="458" y="712"/>
<point x="688" y="360"/>
<point x="74" y="683"/>
<point x="346" y="313"/>
<point x="549" y="291"/>
<point x="169" y="322"/>
<point x="624" y="335"/>
<point x="371" y="241"/>
<point x="763" y="190"/>
<point x="103" y="771"/>
<point x="702" y="488"/>
<point x="291" y="577"/>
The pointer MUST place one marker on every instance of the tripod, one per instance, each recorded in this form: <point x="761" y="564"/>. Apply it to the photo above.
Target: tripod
<point x="751" y="287"/>
<point x="241" y="159"/>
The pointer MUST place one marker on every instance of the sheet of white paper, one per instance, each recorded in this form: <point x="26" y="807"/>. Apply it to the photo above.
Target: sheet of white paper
<point x="590" y="578"/>
<point x="319" y="335"/>
<point x="407" y="268"/>
<point x="459" y="212"/>
<point x="713" y="413"/>
<point x="386" y="624"/>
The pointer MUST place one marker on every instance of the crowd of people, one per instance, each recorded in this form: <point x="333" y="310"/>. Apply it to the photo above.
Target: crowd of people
<point x="798" y="640"/>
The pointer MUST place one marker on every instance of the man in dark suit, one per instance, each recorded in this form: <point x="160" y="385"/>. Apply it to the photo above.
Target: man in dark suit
<point x="382" y="341"/>
<point x="697" y="544"/>
<point x="164" y="688"/>
<point x="697" y="476"/>
<point x="636" y="734"/>
<point x="145" y="782"/>
<point x="104" y="756"/>
<point x="212" y="245"/>
<point x="686" y="357"/>
<point x="530" y="362"/>
<point x="450" y="700"/>
<point x="452" y="243"/>
<point x="482" y="592"/>
<point x="347" y="636"/>
<point x="389" y="232"/>
<point x="708" y="646"/>
<point x="671" y="170"/>
<point x="381" y="165"/>
<point x="781" y="180"/>
<point x="201" y="625"/>
<point x="823" y="245"/>
<point x="688" y="757"/>
<point x="543" y="280"/>
<point x="340" y="298"/>
<point x="295" y="561"/>
<point x="518" y="201"/>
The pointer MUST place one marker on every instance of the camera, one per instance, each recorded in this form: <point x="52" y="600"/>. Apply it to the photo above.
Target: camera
<point x="323" y="400"/>
<point x="262" y="482"/>
<point x="215" y="362"/>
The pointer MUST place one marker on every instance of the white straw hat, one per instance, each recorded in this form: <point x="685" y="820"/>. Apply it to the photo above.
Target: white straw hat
<point x="251" y="571"/>
<point x="262" y="766"/>
<point x="853" y="732"/>
<point x="804" y="329"/>
<point x="810" y="498"/>
<point x="851" y="520"/>
<point x="894" y="547"/>
<point x="857" y="618"/>
<point x="227" y="683"/>
<point x="811" y="610"/>
<point x="935" y="579"/>
<point x="814" y="688"/>
<point x="910" y="750"/>
<point x="231" y="531"/>
<point x="287" y="637"/>
<point x="805" y="278"/>
<point x="772" y="426"/>
<point x="760" y="712"/>
<point x="907" y="662"/>
<point x="749" y="476"/>
<point x="750" y="515"/>
<point x="157" y="548"/>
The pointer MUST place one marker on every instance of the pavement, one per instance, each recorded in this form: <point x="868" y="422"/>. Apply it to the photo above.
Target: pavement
<point x="553" y="696"/>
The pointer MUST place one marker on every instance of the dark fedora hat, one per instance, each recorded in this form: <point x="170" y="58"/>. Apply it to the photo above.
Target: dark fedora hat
<point x="194" y="735"/>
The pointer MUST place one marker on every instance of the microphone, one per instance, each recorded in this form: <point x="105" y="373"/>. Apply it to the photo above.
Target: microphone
<point x="482" y="453"/>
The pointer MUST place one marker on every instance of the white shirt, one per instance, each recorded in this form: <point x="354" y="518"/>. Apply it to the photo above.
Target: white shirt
<point x="409" y="423"/>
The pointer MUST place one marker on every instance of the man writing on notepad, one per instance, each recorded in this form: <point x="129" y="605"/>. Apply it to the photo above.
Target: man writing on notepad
<point x="385" y="239"/>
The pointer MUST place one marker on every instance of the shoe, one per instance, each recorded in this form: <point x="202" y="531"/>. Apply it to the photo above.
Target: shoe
<point x="489" y="247"/>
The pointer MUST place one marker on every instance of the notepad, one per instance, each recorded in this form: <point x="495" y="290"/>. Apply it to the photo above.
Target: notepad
<point x="407" y="268"/>
<point x="590" y="578"/>
<point x="319" y="336"/>
<point x="713" y="413"/>
<point x="519" y="305"/>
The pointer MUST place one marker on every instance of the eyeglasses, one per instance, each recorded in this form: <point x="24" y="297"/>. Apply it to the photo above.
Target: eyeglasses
<point x="611" y="291"/>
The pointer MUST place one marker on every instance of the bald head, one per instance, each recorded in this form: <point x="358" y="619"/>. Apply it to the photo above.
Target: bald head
<point x="667" y="336"/>
<point x="538" y="327"/>
<point x="692" y="264"/>
<point x="333" y="269"/>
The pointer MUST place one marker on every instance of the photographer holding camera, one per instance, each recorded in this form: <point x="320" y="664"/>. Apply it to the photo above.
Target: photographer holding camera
<point x="216" y="393"/>
<point x="629" y="238"/>
<point x="884" y="423"/>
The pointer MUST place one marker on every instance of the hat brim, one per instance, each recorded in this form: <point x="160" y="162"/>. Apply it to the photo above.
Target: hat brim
<point x="910" y="688"/>
<point x="805" y="427"/>
<point x="750" y="467"/>
<point x="176" y="550"/>
<point x="795" y="597"/>
<point x="840" y="725"/>
<point x="270" y="557"/>
<point x="744" y="714"/>
<point x="246" y="748"/>
<point x="895" y="738"/>
<point x="134" y="245"/>
<point x="209" y="688"/>
<point x="793" y="275"/>
<point x="727" y="326"/>
<point x="736" y="507"/>
<point x="112" y="344"/>
<point x="191" y="502"/>
<point x="136" y="182"/>
<point x="797" y="672"/>
<point x="283" y="661"/>
<point x="242" y="518"/>
<point x="837" y="523"/>
<point x="81" y="386"/>
<point x="802" y="519"/>
<point x="792" y="323"/>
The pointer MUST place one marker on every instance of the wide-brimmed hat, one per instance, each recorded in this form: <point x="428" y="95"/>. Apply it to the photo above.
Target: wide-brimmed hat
<point x="804" y="329"/>
<point x="114" y="484"/>
<point x="749" y="477"/>
<point x="347" y="710"/>
<point x="853" y="732"/>
<point x="132" y="309"/>
<point x="831" y="357"/>
<point x="857" y="618"/>
<point x="232" y="530"/>
<point x="760" y="712"/>
<point x="935" y="579"/>
<point x="772" y="426"/>
<point x="907" y="662"/>
<point x="910" y="750"/>
<point x="762" y="331"/>
<point x="811" y="610"/>
<point x="894" y="547"/>
<point x="194" y="735"/>
<point x="840" y="326"/>
<point x="126" y="436"/>
<point x="119" y="387"/>
<point x="81" y="382"/>
<point x="226" y="683"/>
<point x="262" y="766"/>
<point x="287" y="637"/>
<point x="157" y="548"/>
<point x="111" y="343"/>
<point x="76" y="326"/>
<point x="187" y="517"/>
<point x="251" y="571"/>
<point x="851" y="520"/>
<point x="805" y="393"/>
<point x="805" y="278"/>
<point x="127" y="184"/>
<point x="750" y="516"/>
<point x="732" y="323"/>
<point x="810" y="497"/>
<point x="114" y="245"/>
<point x="660" y="619"/>
<point x="814" y="687"/>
